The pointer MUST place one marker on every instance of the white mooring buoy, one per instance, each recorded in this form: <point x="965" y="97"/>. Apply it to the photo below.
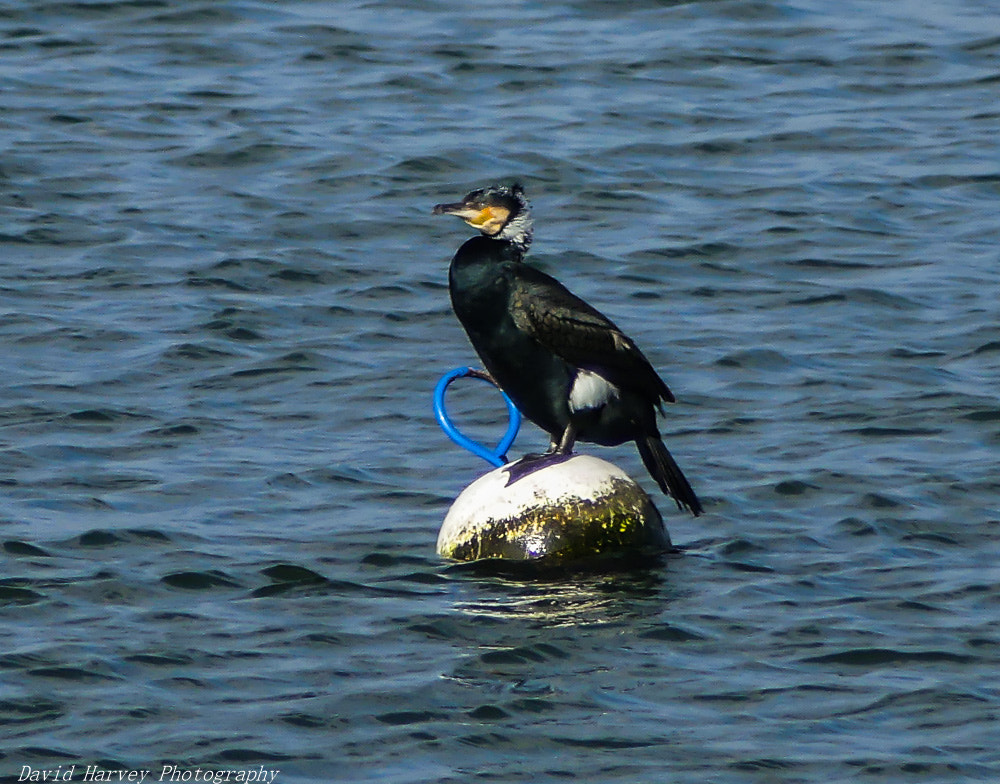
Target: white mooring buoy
<point x="554" y="508"/>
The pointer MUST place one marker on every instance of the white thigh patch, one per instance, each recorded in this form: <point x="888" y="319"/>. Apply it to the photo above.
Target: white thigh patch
<point x="590" y="390"/>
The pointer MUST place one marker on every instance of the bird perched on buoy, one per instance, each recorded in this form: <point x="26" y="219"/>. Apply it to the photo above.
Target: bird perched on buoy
<point x="567" y="367"/>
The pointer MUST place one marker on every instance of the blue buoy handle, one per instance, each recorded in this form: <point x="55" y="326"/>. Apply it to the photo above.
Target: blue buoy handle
<point x="496" y="457"/>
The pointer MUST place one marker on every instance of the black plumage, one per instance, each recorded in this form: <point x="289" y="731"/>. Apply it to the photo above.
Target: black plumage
<point x="567" y="367"/>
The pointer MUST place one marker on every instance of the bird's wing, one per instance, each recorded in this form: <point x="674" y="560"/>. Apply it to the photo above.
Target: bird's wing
<point x="574" y="330"/>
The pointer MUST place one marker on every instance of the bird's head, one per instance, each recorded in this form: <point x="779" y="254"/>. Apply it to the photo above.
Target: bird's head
<point x="499" y="211"/>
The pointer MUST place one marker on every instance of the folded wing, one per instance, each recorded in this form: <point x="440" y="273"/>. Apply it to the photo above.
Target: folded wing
<point x="580" y="334"/>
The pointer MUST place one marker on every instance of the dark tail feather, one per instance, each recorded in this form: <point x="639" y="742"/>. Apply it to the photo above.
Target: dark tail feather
<point x="668" y="475"/>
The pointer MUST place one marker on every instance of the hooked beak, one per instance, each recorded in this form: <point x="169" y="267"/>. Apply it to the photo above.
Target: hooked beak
<point x="460" y="208"/>
<point x="488" y="220"/>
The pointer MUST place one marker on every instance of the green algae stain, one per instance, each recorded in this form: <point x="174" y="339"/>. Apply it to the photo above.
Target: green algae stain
<point x="623" y="519"/>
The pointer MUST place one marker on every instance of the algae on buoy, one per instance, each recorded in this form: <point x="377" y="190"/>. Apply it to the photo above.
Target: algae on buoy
<point x="555" y="508"/>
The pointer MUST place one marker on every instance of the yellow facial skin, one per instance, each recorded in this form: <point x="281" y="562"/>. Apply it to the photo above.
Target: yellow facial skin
<point x="489" y="220"/>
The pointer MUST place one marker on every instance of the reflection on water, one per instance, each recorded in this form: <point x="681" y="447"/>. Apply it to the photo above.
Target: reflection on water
<point x="566" y="598"/>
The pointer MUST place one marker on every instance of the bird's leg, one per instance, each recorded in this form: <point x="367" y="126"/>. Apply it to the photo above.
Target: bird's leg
<point x="562" y="446"/>
<point x="565" y="445"/>
<point x="484" y="375"/>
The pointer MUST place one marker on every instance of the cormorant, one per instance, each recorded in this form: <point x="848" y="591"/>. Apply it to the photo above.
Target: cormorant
<point x="567" y="367"/>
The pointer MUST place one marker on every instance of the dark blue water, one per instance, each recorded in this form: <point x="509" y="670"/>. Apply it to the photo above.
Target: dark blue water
<point x="223" y="308"/>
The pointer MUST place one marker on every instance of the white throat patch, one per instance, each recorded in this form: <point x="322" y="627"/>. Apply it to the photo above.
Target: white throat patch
<point x="590" y="390"/>
<point x="518" y="230"/>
